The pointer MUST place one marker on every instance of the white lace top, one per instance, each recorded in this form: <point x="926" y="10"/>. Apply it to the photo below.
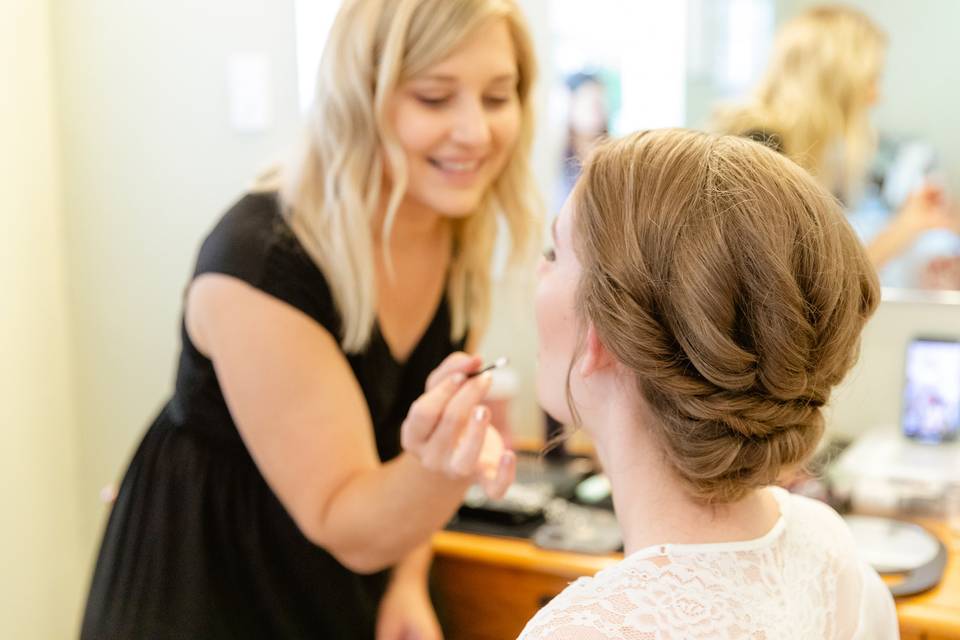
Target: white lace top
<point x="802" y="580"/>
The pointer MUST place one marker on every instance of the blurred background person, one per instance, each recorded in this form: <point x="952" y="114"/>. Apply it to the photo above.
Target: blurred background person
<point x="588" y="121"/>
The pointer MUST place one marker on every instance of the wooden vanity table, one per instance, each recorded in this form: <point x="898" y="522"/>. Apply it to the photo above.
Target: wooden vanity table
<point x="487" y="587"/>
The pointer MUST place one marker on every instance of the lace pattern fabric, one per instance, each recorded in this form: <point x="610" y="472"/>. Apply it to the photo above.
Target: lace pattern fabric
<point x="802" y="580"/>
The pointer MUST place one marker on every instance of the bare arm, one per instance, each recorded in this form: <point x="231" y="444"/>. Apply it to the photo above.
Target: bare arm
<point x="415" y="567"/>
<point x="303" y="417"/>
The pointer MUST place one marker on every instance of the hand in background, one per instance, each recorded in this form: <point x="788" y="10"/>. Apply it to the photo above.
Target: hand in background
<point x="406" y="613"/>
<point x="926" y="209"/>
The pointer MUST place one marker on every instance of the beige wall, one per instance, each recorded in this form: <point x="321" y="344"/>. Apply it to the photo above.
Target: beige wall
<point x="150" y="162"/>
<point x="39" y="552"/>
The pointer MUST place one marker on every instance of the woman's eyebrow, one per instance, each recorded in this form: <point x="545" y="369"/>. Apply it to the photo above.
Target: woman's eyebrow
<point x="443" y="77"/>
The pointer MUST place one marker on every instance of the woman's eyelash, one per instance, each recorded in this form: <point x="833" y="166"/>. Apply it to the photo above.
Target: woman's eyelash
<point x="490" y="101"/>
<point x="431" y="101"/>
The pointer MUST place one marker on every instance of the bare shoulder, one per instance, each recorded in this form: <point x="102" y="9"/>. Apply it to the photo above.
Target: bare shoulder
<point x="218" y="304"/>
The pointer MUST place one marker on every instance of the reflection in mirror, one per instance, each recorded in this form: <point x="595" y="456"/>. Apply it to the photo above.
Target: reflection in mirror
<point x="891" y="155"/>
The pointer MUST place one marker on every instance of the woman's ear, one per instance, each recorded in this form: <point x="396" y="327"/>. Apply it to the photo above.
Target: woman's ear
<point x="595" y="355"/>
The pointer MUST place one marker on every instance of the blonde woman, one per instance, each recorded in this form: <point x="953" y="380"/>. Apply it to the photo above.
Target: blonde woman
<point x="323" y="422"/>
<point x="813" y="105"/>
<point x="703" y="297"/>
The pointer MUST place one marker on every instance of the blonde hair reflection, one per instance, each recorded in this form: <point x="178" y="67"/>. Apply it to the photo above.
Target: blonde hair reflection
<point x="816" y="93"/>
<point x="331" y="192"/>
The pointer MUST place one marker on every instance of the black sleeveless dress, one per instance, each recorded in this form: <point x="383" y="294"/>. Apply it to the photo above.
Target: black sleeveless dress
<point x="197" y="545"/>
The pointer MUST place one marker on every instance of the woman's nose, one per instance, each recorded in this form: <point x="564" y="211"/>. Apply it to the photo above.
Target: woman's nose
<point x="471" y="125"/>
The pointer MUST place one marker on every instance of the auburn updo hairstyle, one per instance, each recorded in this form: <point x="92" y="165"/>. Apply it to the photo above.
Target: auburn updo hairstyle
<point x="730" y="285"/>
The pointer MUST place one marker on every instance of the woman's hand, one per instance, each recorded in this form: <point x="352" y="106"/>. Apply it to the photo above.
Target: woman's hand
<point x="406" y="613"/>
<point x="925" y="209"/>
<point x="448" y="429"/>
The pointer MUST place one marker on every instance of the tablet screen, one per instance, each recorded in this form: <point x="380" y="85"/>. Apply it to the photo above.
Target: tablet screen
<point x="931" y="399"/>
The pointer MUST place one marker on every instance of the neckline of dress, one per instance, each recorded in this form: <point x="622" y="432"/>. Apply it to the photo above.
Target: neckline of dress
<point x="402" y="364"/>
<point x="780" y="494"/>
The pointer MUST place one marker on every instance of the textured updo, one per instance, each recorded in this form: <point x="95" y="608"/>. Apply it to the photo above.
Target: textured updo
<point x="727" y="280"/>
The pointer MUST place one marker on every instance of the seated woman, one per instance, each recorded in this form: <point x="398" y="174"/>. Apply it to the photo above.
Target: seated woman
<point x="704" y="296"/>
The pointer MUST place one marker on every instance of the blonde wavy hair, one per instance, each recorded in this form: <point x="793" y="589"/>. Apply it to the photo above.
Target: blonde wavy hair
<point x="815" y="95"/>
<point x="331" y="192"/>
<point x="730" y="285"/>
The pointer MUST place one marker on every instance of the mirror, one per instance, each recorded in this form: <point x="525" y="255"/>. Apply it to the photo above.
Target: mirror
<point x="614" y="67"/>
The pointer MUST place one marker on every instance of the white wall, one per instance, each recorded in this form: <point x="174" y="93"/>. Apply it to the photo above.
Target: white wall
<point x="150" y="161"/>
<point x="39" y="552"/>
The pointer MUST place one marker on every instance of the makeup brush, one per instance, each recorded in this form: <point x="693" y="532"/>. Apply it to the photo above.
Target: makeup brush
<point x="502" y="361"/>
